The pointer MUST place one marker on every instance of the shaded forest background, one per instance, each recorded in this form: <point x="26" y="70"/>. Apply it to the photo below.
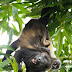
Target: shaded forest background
<point x="59" y="26"/>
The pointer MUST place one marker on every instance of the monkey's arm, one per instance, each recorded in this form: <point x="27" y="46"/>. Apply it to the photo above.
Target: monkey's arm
<point x="18" y="56"/>
<point x="13" y="45"/>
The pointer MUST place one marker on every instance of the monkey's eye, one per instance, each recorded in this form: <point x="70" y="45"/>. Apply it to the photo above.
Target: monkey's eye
<point x="39" y="58"/>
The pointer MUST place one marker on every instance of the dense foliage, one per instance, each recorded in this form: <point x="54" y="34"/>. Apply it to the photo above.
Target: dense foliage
<point x="59" y="26"/>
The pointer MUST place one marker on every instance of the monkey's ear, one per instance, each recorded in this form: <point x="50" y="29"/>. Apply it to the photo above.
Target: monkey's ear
<point x="45" y="14"/>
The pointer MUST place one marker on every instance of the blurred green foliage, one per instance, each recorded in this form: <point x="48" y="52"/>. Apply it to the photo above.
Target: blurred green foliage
<point x="59" y="26"/>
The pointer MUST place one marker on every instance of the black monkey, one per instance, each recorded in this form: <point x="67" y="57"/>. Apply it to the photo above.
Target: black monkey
<point x="34" y="37"/>
<point x="34" y="33"/>
<point x="36" y="60"/>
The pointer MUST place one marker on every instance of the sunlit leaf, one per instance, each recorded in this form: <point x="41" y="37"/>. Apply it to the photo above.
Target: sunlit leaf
<point x="68" y="66"/>
<point x="7" y="47"/>
<point x="14" y="11"/>
<point x="20" y="7"/>
<point x="15" y="30"/>
<point x="14" y="64"/>
<point x="1" y="69"/>
<point x="19" y="21"/>
<point x="18" y="1"/>
<point x="24" y="68"/>
<point x="60" y="41"/>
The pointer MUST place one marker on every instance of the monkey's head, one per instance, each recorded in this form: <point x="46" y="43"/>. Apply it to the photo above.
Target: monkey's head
<point x="40" y="61"/>
<point x="44" y="61"/>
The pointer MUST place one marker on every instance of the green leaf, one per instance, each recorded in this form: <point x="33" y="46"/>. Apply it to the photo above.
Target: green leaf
<point x="1" y="69"/>
<point x="7" y="47"/>
<point x="18" y="19"/>
<point x="35" y="12"/>
<point x="6" y="55"/>
<point x="14" y="64"/>
<point x="66" y="47"/>
<point x="60" y="46"/>
<point x="32" y="1"/>
<point x="18" y="1"/>
<point x="51" y="5"/>
<point x="4" y="20"/>
<point x="24" y="68"/>
<point x="68" y="66"/>
<point x="6" y="1"/>
<point x="68" y="34"/>
<point x="2" y="14"/>
<point x="20" y="7"/>
<point x="4" y="63"/>
<point x="14" y="11"/>
<point x="15" y="30"/>
<point x="62" y="69"/>
<point x="7" y="67"/>
<point x="10" y="36"/>
<point x="10" y="10"/>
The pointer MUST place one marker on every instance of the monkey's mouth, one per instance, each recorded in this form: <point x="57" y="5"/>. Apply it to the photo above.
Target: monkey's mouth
<point x="37" y="59"/>
<point x="41" y="61"/>
<point x="34" y="61"/>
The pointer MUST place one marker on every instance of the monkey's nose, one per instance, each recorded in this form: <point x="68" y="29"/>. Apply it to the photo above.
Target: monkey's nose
<point x="56" y="64"/>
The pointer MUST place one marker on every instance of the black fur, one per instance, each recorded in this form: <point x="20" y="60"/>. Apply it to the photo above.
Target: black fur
<point x="27" y="55"/>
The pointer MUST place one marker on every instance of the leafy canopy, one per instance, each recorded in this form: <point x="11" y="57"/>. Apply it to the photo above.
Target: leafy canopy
<point x="59" y="26"/>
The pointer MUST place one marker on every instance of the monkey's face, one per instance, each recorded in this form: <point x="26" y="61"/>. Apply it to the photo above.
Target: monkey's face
<point x="41" y="62"/>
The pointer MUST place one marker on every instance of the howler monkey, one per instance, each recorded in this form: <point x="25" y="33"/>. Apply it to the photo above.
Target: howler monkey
<point x="36" y="60"/>
<point x="33" y="42"/>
